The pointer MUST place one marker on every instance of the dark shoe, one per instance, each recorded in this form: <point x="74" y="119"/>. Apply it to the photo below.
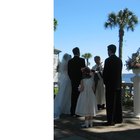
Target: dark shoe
<point x="103" y="106"/>
<point x="109" y="124"/>
<point x="74" y="115"/>
<point x="118" y="122"/>
<point x="99" y="106"/>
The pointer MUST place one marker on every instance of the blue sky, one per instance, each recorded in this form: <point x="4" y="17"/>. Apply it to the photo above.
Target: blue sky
<point x="81" y="24"/>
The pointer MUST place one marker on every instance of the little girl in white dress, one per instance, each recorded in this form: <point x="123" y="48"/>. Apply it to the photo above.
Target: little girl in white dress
<point x="86" y="104"/>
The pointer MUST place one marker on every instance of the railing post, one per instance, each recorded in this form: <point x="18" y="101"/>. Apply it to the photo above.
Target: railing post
<point x="136" y="81"/>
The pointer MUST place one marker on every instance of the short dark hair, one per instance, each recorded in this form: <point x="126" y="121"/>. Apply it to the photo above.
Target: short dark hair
<point x="112" y="48"/>
<point x="76" y="51"/>
<point x="97" y="57"/>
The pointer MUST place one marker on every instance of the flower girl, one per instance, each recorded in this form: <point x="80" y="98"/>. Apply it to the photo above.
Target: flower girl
<point x="86" y="104"/>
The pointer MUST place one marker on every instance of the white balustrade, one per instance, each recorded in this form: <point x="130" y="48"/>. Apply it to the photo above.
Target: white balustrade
<point x="136" y="85"/>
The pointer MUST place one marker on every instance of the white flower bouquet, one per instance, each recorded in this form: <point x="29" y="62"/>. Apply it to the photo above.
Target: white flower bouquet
<point x="133" y="62"/>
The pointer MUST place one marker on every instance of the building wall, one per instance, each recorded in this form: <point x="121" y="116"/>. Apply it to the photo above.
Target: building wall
<point x="55" y="66"/>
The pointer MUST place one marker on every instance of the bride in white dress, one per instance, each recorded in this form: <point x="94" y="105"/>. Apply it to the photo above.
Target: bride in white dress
<point x="62" y="101"/>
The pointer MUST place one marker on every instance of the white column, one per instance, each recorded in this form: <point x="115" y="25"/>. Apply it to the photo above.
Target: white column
<point x="136" y="84"/>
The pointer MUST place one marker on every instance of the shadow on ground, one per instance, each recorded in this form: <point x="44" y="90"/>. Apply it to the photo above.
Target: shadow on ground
<point x="68" y="128"/>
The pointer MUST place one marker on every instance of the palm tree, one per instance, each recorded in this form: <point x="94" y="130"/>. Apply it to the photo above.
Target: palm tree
<point x="55" y="24"/>
<point x="124" y="20"/>
<point x="87" y="56"/>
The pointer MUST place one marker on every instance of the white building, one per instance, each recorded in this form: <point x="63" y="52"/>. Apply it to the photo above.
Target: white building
<point x="55" y="65"/>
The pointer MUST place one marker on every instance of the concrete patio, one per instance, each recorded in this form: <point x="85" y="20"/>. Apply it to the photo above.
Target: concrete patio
<point x="68" y="128"/>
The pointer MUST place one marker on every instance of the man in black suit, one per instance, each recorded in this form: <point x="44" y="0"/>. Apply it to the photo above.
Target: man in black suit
<point x="75" y="75"/>
<point x="112" y="76"/>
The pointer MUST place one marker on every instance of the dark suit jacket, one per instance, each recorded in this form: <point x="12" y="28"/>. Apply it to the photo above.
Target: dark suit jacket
<point x="112" y="73"/>
<point x="74" y="68"/>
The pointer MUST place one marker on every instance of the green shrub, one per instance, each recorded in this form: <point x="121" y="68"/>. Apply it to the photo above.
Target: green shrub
<point x="127" y="99"/>
<point x="55" y="90"/>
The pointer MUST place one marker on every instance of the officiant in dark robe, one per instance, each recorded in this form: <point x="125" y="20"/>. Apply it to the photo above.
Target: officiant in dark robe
<point x="112" y="76"/>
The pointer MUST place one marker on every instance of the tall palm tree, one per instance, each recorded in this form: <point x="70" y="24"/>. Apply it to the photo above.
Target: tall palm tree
<point x="55" y="24"/>
<point x="87" y="56"/>
<point x="124" y="19"/>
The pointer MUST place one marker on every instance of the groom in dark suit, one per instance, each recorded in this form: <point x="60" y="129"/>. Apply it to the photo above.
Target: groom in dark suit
<point x="112" y="76"/>
<point x="75" y="75"/>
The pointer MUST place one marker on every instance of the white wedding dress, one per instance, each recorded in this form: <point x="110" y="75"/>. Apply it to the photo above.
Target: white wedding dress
<point x="62" y="101"/>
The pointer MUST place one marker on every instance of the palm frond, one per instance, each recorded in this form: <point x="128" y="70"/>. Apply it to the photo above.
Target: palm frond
<point x="55" y="24"/>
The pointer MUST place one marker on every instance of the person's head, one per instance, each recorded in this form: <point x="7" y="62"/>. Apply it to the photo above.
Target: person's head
<point x="86" y="71"/>
<point x="76" y="51"/>
<point x="111" y="49"/>
<point x="66" y="57"/>
<point x="97" y="59"/>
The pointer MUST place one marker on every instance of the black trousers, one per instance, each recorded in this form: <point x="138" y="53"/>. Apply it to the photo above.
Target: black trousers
<point x="114" y="105"/>
<point x="74" y="96"/>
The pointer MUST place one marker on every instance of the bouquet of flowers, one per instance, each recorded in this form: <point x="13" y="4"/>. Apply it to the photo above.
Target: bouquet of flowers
<point x="134" y="61"/>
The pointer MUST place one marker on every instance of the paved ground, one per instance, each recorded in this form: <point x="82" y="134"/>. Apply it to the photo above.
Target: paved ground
<point x="68" y="128"/>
